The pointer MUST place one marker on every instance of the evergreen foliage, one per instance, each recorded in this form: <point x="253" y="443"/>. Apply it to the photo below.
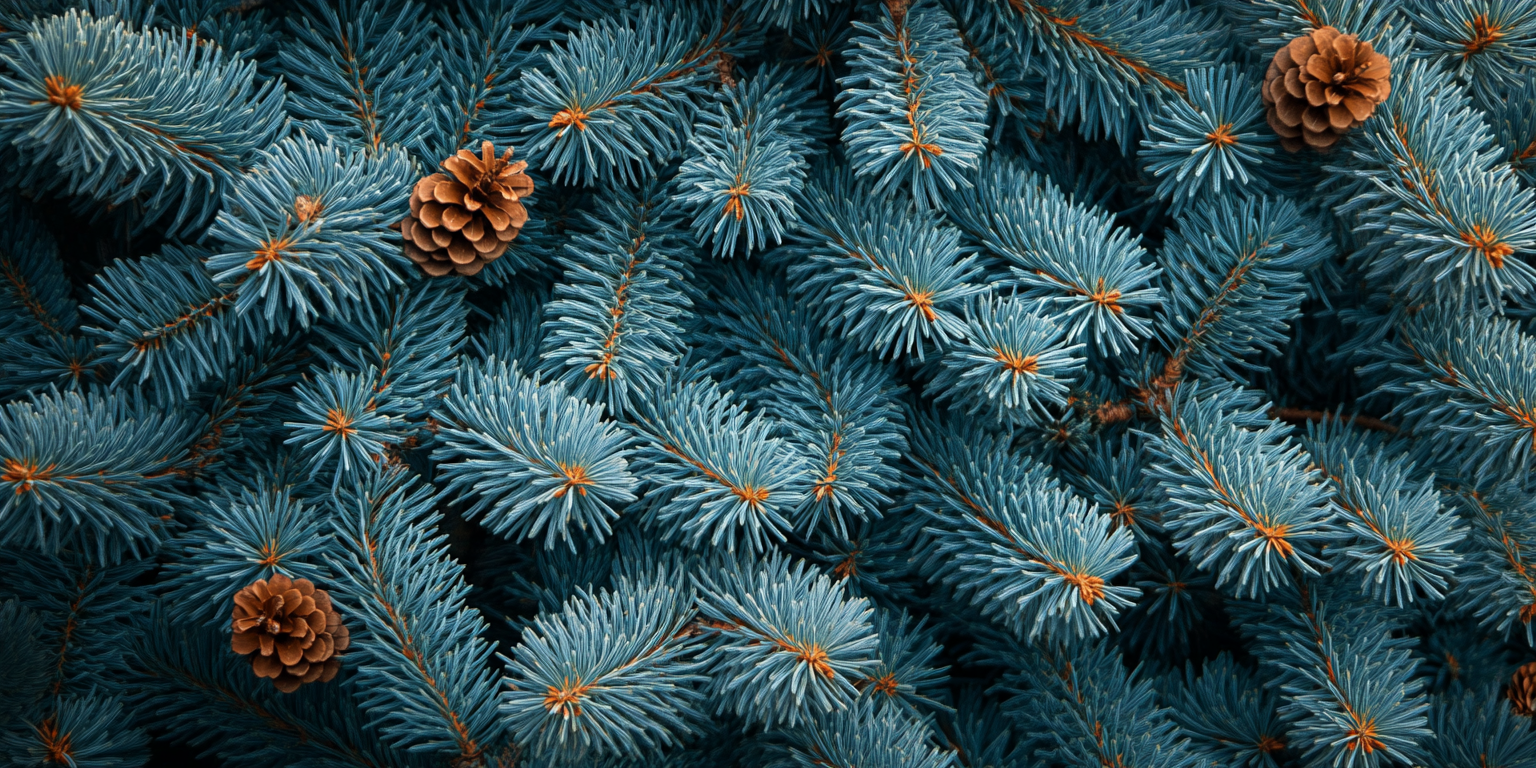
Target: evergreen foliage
<point x="615" y="324"/>
<point x="917" y="119"/>
<point x="536" y="459"/>
<point x="149" y="118"/>
<point x="576" y="688"/>
<point x="886" y="384"/>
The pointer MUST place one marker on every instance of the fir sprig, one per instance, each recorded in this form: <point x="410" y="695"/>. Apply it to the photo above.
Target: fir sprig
<point x="1089" y="275"/>
<point x="97" y="109"/>
<point x="913" y="112"/>
<point x="892" y="278"/>
<point x="1243" y="500"/>
<point x="715" y="471"/>
<point x="612" y="674"/>
<point x="534" y="460"/>
<point x="786" y="645"/>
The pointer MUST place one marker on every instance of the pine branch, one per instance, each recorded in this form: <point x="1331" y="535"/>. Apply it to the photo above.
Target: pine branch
<point x="818" y="43"/>
<point x="1009" y="79"/>
<point x="1233" y="280"/>
<point x="534" y="459"/>
<point x="339" y="426"/>
<point x="88" y="472"/>
<point x="838" y="408"/>
<point x="250" y="534"/>
<point x="1402" y="541"/>
<point x="785" y="644"/>
<point x="34" y="293"/>
<point x="79" y="730"/>
<point x="87" y="611"/>
<point x="1501" y="556"/>
<point x="1466" y="382"/>
<point x="612" y="674"/>
<point x="1214" y="135"/>
<point x="238" y="410"/>
<point x="25" y="660"/>
<point x="1084" y="709"/>
<point x="1264" y="26"/>
<point x="1120" y="57"/>
<point x="202" y="695"/>
<point x="979" y="734"/>
<point x="1477" y="728"/>
<point x="1114" y="477"/>
<point x="164" y="321"/>
<point x="306" y="233"/>
<point x="888" y="277"/>
<point x="408" y="338"/>
<point x="481" y="48"/>
<point x="1242" y="498"/>
<point x="615" y="324"/>
<point x="913" y="114"/>
<point x="1447" y="214"/>
<point x="714" y="468"/>
<point x="63" y="362"/>
<point x="1229" y="716"/>
<point x="1004" y="535"/>
<point x="604" y="109"/>
<point x="98" y="110"/>
<point x="1177" y="601"/>
<point x="1303" y="415"/>
<point x="746" y="163"/>
<point x="360" y="70"/>
<point x="515" y="333"/>
<point x="788" y="14"/>
<point x="1088" y="274"/>
<point x="1489" y="44"/>
<point x="1012" y="365"/>
<point x="908" y="677"/>
<point x="1348" y="684"/>
<point x="864" y="736"/>
<point x="1515" y="126"/>
<point x="422" y="660"/>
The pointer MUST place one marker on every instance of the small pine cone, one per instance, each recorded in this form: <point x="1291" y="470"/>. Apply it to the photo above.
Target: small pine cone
<point x="1522" y="690"/>
<point x="292" y="629"/>
<point x="463" y="220"/>
<point x="1321" y="85"/>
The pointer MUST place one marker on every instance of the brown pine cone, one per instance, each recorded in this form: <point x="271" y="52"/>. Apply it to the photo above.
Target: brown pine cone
<point x="459" y="224"/>
<point x="1321" y="85"/>
<point x="292" y="629"/>
<point x="1522" y="690"/>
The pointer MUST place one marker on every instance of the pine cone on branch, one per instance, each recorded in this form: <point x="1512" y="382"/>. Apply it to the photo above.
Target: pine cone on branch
<point x="1522" y="690"/>
<point x="461" y="221"/>
<point x="292" y="629"/>
<point x="1320" y="85"/>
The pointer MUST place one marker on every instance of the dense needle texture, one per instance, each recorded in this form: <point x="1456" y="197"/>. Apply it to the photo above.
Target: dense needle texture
<point x="768" y="384"/>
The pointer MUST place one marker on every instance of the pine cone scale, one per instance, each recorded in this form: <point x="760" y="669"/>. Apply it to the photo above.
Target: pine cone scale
<point x="1299" y="51"/>
<point x="449" y="192"/>
<point x="431" y="214"/>
<point x="461" y="221"/>
<point x="455" y="217"/>
<point x="266" y="666"/>
<point x="244" y="643"/>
